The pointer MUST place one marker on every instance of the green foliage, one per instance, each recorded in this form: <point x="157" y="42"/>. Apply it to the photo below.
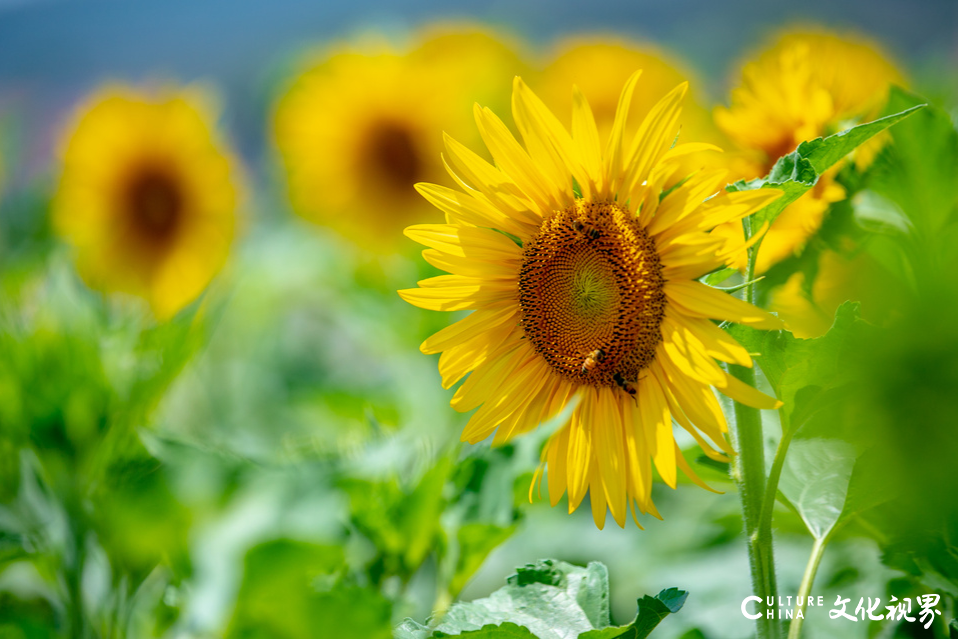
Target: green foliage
<point x="26" y="619"/>
<point x="83" y="498"/>
<point x="916" y="174"/>
<point x="807" y="375"/>
<point x="549" y="600"/>
<point x="290" y="589"/>
<point x="404" y="526"/>
<point x="138" y="519"/>
<point x="794" y="174"/>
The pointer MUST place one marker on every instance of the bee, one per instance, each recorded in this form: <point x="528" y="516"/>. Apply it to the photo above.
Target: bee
<point x="628" y="387"/>
<point x="587" y="232"/>
<point x="592" y="360"/>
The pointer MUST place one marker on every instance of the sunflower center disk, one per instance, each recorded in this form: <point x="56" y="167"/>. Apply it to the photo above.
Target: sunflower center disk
<point x="391" y="150"/>
<point x="591" y="294"/>
<point x="154" y="203"/>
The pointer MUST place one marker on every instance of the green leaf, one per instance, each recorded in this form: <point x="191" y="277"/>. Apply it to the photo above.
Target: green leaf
<point x="550" y="597"/>
<point x="797" y="172"/>
<point x="807" y="375"/>
<point x="792" y="174"/>
<point x="550" y="600"/>
<point x="719" y="276"/>
<point x="953" y="629"/>
<point x="815" y="480"/>
<point x="823" y="153"/>
<point x="651" y="612"/>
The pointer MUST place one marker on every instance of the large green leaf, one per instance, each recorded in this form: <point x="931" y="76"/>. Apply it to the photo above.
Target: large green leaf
<point x="551" y="600"/>
<point x="815" y="480"/>
<point x="826" y="476"/>
<point x="807" y="375"/>
<point x="796" y="173"/>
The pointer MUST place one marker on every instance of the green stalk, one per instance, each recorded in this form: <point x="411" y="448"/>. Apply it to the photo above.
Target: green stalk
<point x="771" y="487"/>
<point x="748" y="470"/>
<point x="794" y="631"/>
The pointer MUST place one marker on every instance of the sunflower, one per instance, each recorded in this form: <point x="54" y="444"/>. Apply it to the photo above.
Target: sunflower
<point x="580" y="270"/>
<point x="147" y="195"/>
<point x="357" y="129"/>
<point x="808" y="85"/>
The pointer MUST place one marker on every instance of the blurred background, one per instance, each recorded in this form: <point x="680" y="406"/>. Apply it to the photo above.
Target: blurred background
<point x="270" y="453"/>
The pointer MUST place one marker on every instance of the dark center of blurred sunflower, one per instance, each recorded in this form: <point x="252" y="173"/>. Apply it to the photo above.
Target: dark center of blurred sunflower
<point x="591" y="294"/>
<point x="391" y="151"/>
<point x="154" y="203"/>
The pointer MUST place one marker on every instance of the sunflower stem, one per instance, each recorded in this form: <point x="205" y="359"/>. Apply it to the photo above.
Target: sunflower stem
<point x="748" y="468"/>
<point x="771" y="486"/>
<point x="795" y="629"/>
<point x="749" y="473"/>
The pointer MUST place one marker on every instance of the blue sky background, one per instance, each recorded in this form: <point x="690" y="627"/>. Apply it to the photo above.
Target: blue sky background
<point x="53" y="51"/>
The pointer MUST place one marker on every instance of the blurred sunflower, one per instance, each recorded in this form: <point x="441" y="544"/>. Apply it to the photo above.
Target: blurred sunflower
<point x="148" y="194"/>
<point x="357" y="130"/>
<point x="580" y="270"/>
<point x="601" y="66"/>
<point x="807" y="85"/>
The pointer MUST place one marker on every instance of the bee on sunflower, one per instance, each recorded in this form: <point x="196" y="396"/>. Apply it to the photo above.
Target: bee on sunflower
<point x="566" y="248"/>
<point x="148" y="194"/>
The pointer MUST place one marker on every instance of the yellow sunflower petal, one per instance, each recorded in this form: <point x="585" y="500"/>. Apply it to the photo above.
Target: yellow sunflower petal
<point x="658" y="425"/>
<point x="546" y="139"/>
<point x="586" y="138"/>
<point x="557" y="453"/>
<point x="745" y="394"/>
<point x="580" y="449"/>
<point x="684" y="466"/>
<point x="462" y="207"/>
<point x="608" y="433"/>
<point x="597" y="495"/>
<point x="700" y="300"/>
<point x="513" y="160"/>
<point x="655" y="136"/>
<point x="458" y="360"/>
<point x="615" y="151"/>
<point x="475" y="324"/>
